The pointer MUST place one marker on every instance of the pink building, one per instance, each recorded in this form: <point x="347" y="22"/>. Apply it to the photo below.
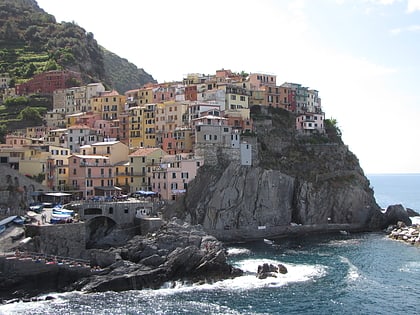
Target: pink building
<point x="309" y="122"/>
<point x="170" y="179"/>
<point x="90" y="174"/>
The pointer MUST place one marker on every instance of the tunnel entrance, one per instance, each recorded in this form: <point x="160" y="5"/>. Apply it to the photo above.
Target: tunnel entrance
<point x="99" y="232"/>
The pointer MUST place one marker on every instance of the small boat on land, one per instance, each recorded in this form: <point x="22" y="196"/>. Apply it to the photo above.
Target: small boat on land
<point x="2" y="228"/>
<point x="19" y="220"/>
<point x="8" y="220"/>
<point x="60" y="218"/>
<point x="36" y="208"/>
<point x="63" y="211"/>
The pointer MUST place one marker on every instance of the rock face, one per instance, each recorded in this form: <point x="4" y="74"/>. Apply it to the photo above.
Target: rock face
<point x="295" y="184"/>
<point x="16" y="190"/>
<point x="395" y="213"/>
<point x="177" y="251"/>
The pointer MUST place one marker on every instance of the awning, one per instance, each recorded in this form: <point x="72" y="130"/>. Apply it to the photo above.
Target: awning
<point x="108" y="188"/>
<point x="57" y="194"/>
<point x="145" y="193"/>
<point x="178" y="191"/>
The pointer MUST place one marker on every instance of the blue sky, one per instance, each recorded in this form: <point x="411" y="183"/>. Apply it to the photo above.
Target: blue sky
<point x="361" y="55"/>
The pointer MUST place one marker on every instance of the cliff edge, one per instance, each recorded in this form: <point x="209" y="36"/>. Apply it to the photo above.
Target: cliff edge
<point x="297" y="184"/>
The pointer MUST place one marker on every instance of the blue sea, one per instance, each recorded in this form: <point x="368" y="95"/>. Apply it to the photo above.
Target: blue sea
<point x="364" y="273"/>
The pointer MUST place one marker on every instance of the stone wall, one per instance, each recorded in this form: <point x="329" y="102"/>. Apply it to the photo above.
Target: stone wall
<point x="67" y="240"/>
<point x="16" y="190"/>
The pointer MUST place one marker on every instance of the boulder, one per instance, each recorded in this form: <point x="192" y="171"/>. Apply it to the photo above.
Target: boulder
<point x="269" y="270"/>
<point x="395" y="213"/>
<point x="412" y="213"/>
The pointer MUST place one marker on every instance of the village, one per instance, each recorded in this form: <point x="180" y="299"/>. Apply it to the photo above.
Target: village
<point x="97" y="144"/>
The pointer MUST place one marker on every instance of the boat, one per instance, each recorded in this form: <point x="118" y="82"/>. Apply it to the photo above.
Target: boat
<point x="2" y="228"/>
<point x="59" y="218"/>
<point x="267" y="241"/>
<point x="36" y="208"/>
<point x="19" y="220"/>
<point x="63" y="211"/>
<point x="8" y="220"/>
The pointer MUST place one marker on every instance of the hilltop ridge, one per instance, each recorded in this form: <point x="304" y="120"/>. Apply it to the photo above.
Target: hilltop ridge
<point x="31" y="41"/>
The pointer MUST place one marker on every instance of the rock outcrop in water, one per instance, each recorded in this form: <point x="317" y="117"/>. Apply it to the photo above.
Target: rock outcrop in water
<point x="177" y="252"/>
<point x="296" y="184"/>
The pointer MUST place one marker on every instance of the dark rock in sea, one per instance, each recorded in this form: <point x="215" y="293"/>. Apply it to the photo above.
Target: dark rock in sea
<point x="177" y="251"/>
<point x="269" y="270"/>
<point x="412" y="213"/>
<point x="395" y="213"/>
<point x="282" y="269"/>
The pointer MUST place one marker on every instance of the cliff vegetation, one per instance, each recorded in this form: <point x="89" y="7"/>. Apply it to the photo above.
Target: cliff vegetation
<point x="31" y="41"/>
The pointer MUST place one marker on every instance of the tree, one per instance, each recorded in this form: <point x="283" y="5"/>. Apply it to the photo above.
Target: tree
<point x="3" y="132"/>
<point x="29" y="113"/>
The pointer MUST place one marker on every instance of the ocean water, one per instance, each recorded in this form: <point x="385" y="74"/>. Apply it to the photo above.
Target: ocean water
<point x="364" y="273"/>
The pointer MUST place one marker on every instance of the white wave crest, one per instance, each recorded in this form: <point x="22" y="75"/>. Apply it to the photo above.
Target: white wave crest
<point x="233" y="251"/>
<point x="353" y="272"/>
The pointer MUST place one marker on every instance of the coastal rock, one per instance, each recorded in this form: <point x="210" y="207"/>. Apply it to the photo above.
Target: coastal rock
<point x="395" y="213"/>
<point x="296" y="185"/>
<point x="269" y="270"/>
<point x="412" y="213"/>
<point x="408" y="234"/>
<point x="177" y="251"/>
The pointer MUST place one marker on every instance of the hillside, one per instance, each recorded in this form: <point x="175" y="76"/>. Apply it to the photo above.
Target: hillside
<point x="31" y="41"/>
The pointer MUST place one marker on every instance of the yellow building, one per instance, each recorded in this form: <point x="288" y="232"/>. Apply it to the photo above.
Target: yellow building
<point x="142" y="126"/>
<point x="135" y="119"/>
<point x="109" y="105"/>
<point x="141" y="163"/>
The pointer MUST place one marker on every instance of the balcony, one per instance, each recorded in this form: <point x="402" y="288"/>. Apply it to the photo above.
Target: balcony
<point x="92" y="164"/>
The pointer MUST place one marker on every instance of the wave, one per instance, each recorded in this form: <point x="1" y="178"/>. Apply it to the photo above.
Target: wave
<point x="353" y="271"/>
<point x="411" y="267"/>
<point x="233" y="251"/>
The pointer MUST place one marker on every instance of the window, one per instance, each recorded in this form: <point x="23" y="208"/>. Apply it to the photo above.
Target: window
<point x="173" y="175"/>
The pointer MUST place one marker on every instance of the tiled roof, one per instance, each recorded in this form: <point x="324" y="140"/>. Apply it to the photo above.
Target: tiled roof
<point x="143" y="151"/>
<point x="79" y="127"/>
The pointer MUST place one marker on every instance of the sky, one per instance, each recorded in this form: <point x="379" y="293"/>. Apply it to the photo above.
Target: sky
<point x="363" y="56"/>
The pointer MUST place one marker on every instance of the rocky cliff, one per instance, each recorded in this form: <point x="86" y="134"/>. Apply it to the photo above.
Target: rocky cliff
<point x="16" y="191"/>
<point x="297" y="184"/>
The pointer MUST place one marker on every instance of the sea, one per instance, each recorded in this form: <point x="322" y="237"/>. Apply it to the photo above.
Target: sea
<point x="363" y="273"/>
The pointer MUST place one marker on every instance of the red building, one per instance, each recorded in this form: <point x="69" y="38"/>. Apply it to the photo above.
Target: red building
<point x="48" y="82"/>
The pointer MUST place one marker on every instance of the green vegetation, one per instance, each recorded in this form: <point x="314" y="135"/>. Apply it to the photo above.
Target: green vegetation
<point x="24" y="111"/>
<point x="31" y="42"/>
<point x="332" y="130"/>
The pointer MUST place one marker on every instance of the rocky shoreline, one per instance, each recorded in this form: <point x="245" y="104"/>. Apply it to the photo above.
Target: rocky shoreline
<point x="407" y="234"/>
<point x="176" y="252"/>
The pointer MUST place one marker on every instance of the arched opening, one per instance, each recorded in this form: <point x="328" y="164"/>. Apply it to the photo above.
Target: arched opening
<point x="99" y="232"/>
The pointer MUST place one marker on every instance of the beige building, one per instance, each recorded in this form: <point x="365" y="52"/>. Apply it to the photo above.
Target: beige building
<point x="49" y="161"/>
<point x="141" y="163"/>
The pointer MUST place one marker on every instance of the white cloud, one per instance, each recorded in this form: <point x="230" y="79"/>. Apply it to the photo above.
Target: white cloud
<point x="411" y="28"/>
<point x="413" y="5"/>
<point x="383" y="2"/>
